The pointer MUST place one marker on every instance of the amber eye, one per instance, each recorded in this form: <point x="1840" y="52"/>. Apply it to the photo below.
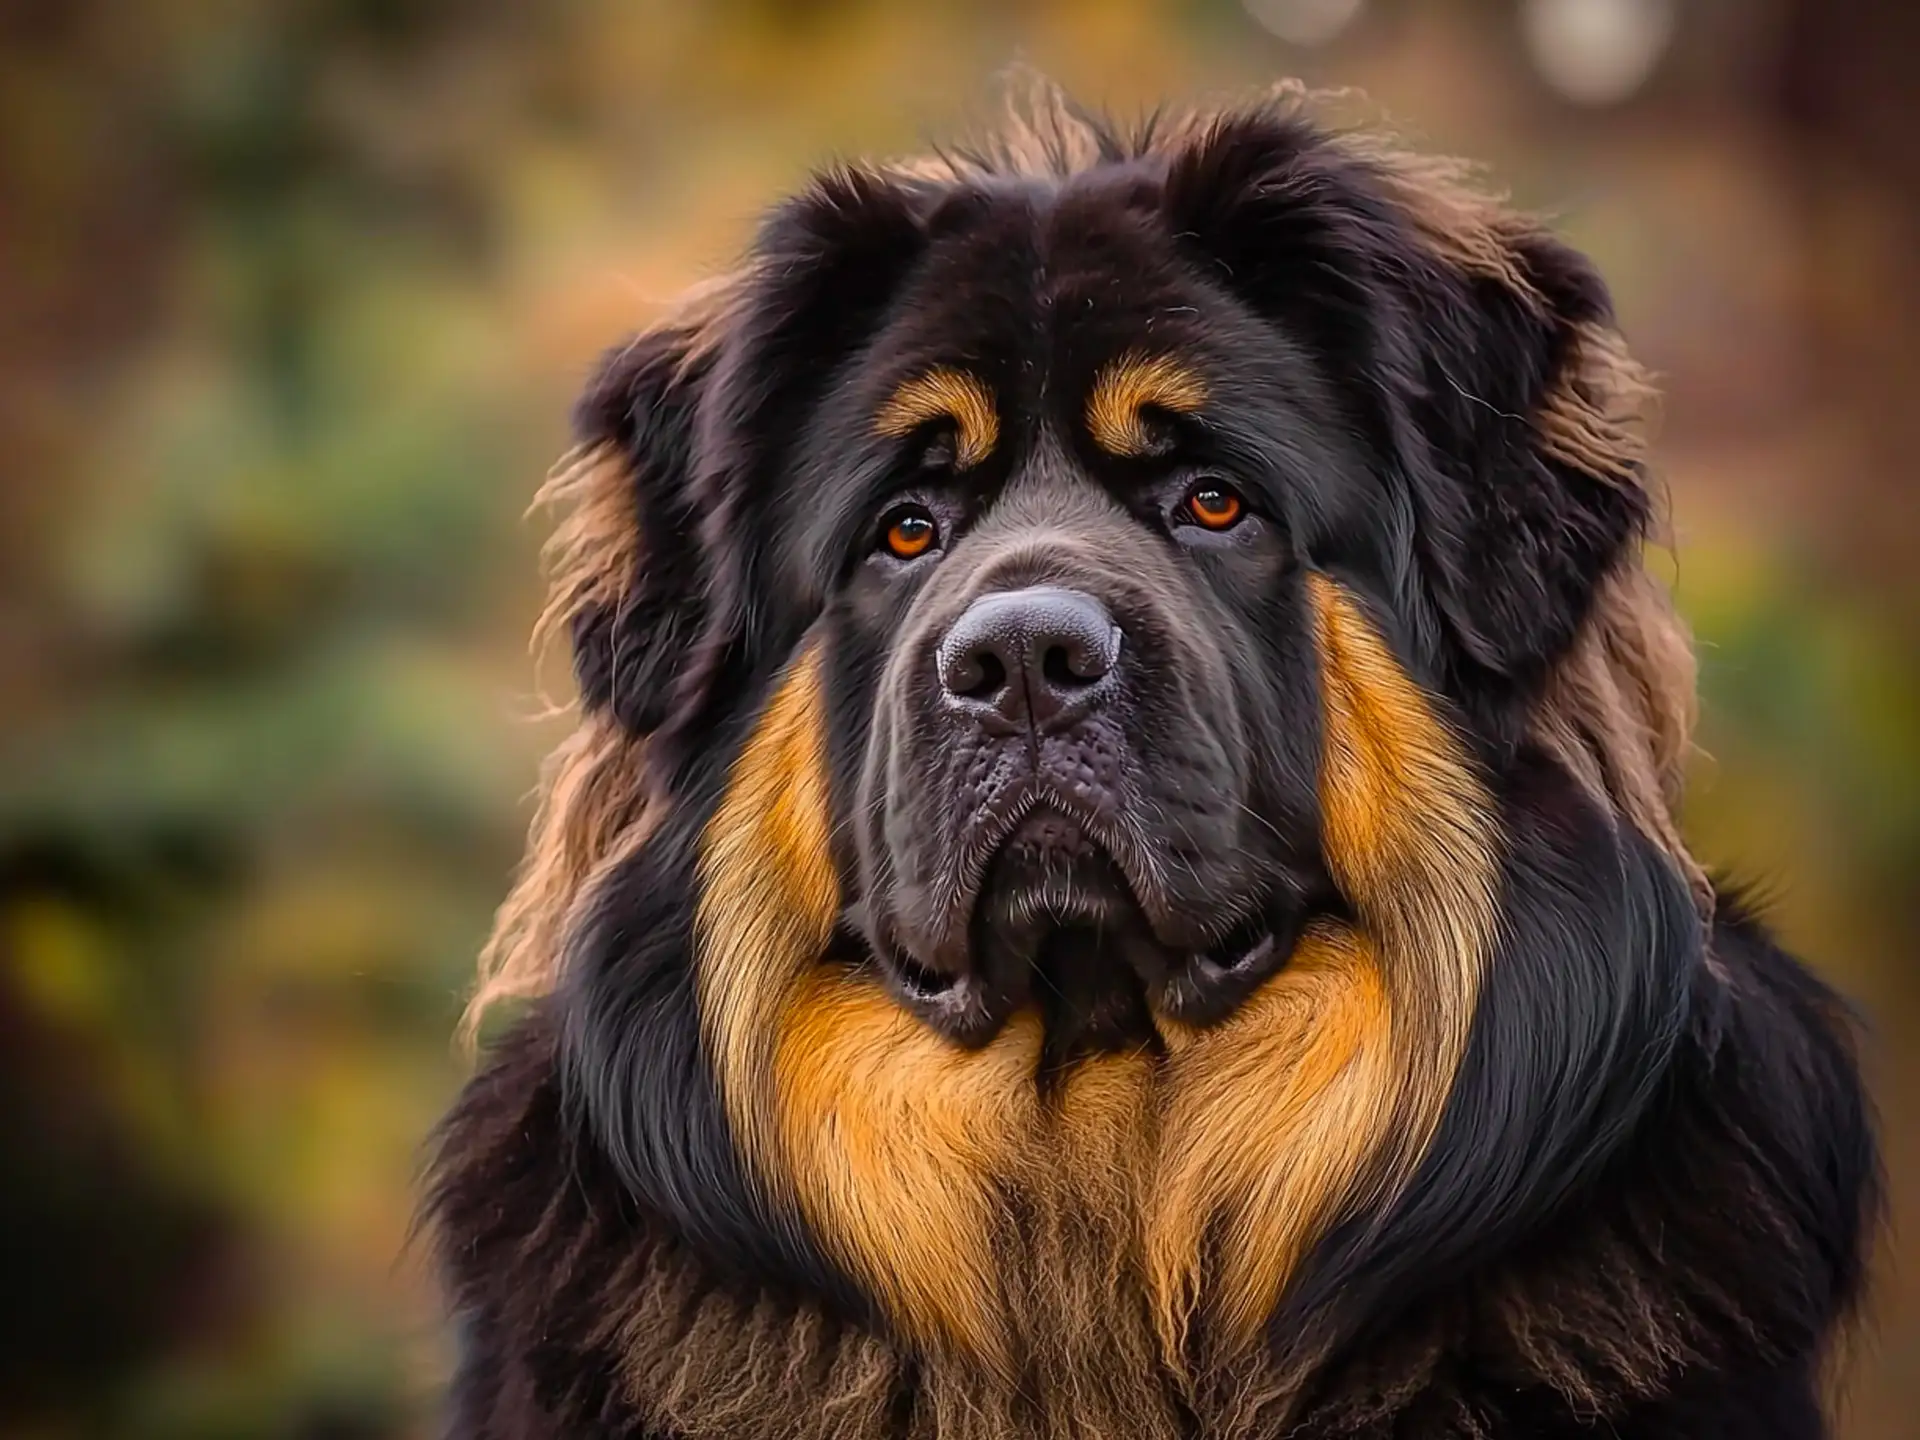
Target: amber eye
<point x="910" y="532"/>
<point x="1215" y="506"/>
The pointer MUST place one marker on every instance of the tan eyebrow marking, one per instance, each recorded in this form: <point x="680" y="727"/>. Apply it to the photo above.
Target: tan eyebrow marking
<point x="1130" y="383"/>
<point x="945" y="393"/>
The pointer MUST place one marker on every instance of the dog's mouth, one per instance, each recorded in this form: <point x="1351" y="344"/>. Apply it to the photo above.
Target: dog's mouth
<point x="1056" y="925"/>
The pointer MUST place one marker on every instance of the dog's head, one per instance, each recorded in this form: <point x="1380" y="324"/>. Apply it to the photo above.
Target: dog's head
<point x="1124" y="738"/>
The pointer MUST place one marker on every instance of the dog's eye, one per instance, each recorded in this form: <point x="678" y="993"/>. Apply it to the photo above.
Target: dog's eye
<point x="1213" y="505"/>
<point x="909" y="532"/>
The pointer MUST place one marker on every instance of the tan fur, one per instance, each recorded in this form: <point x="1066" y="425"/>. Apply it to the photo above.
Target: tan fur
<point x="1269" y="1120"/>
<point x="592" y="793"/>
<point x="594" y="550"/>
<point x="1468" y="227"/>
<point x="1598" y="416"/>
<point x="594" y="809"/>
<point x="887" y="1133"/>
<point x="1408" y="827"/>
<point x="593" y="802"/>
<point x="1130" y="384"/>
<point x="945" y="394"/>
<point x="768" y="894"/>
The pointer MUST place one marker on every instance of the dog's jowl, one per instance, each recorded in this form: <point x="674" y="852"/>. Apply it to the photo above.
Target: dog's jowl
<point x="1118" y="875"/>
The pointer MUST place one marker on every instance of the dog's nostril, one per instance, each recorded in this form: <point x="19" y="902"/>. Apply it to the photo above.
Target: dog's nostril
<point x="1075" y="663"/>
<point x="977" y="675"/>
<point x="1058" y="668"/>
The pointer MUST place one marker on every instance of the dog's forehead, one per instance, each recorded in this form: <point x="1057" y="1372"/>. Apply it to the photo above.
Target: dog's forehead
<point x="1038" y="288"/>
<point x="1052" y="324"/>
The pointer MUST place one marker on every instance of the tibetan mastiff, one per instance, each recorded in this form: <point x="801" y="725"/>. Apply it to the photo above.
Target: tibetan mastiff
<point x="1118" y="874"/>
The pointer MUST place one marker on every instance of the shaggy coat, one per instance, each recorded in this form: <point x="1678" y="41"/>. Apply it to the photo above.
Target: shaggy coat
<point x="1118" y="872"/>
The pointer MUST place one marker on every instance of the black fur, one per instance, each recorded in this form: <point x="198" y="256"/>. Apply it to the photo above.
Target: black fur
<point x="1645" y="1211"/>
<point x="1444" y="372"/>
<point x="630" y="655"/>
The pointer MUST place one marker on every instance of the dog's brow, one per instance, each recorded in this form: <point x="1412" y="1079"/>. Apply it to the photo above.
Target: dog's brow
<point x="1128" y="385"/>
<point x="945" y="393"/>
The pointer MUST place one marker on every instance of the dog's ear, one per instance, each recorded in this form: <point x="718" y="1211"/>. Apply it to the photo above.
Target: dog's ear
<point x="823" y="269"/>
<point x="1486" y="353"/>
<point x="682" y="434"/>
<point x="628" y="564"/>
<point x="1524" y="451"/>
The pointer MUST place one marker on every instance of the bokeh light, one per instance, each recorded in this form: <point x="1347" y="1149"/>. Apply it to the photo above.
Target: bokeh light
<point x="1306" y="22"/>
<point x="1597" y="52"/>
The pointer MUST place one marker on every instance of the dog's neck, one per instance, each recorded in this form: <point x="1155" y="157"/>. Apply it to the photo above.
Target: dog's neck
<point x="607" y="1315"/>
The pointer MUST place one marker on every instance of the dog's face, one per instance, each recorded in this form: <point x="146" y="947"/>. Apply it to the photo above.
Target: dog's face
<point x="1067" y="651"/>
<point x="1102" y="632"/>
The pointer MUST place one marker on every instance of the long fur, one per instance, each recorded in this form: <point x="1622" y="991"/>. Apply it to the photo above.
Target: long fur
<point x="1547" y="1133"/>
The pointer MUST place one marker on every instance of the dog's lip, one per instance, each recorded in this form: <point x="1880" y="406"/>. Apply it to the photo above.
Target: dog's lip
<point x="1243" y="948"/>
<point x="999" y="826"/>
<point x="1196" y="970"/>
<point x="1197" y="964"/>
<point x="1055" y="853"/>
<point x="1180" y="937"/>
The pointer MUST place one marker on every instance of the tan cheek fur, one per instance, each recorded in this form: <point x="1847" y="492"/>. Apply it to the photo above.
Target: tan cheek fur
<point x="902" y="1150"/>
<point x="1409" y="831"/>
<point x="768" y="897"/>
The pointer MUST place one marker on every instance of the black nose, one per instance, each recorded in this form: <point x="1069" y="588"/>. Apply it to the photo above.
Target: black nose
<point x="1039" y="653"/>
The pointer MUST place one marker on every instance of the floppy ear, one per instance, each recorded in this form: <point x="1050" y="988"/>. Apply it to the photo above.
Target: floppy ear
<point x="634" y="597"/>
<point x="1524" y="455"/>
<point x="1486" y="350"/>
<point x="664" y="611"/>
<point x="823" y="269"/>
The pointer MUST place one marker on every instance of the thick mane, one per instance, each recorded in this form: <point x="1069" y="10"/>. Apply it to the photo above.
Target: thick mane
<point x="1504" y="1137"/>
<point x="593" y="798"/>
<point x="1618" y="712"/>
<point x="1618" y="707"/>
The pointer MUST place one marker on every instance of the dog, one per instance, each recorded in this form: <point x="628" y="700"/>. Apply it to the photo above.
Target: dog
<point x="1118" y="872"/>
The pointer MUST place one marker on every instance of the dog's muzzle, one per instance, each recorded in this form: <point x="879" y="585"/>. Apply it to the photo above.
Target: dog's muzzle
<point x="1035" y="688"/>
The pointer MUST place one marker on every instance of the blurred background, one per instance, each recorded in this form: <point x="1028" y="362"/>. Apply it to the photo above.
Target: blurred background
<point x="292" y="301"/>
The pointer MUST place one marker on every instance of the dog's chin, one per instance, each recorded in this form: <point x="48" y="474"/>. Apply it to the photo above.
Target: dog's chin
<point x="1056" y="927"/>
<point x="1049" y="875"/>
